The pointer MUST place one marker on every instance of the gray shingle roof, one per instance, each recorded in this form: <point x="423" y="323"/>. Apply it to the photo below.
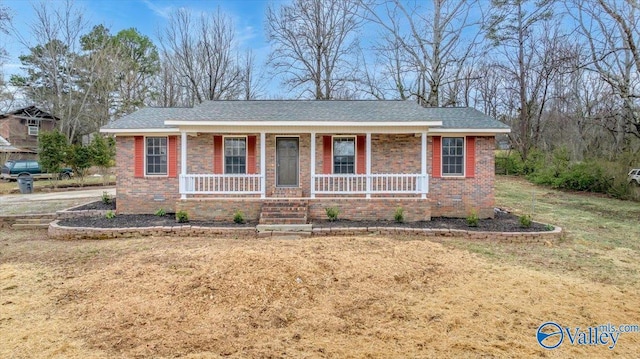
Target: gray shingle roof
<point x="148" y="117"/>
<point x="301" y="111"/>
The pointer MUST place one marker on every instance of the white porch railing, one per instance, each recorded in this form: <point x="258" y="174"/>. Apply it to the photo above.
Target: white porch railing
<point x="220" y="184"/>
<point x="390" y="183"/>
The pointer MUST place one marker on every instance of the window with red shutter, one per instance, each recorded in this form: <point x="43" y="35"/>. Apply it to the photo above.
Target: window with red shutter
<point x="470" y="157"/>
<point x="251" y="155"/>
<point x="327" y="161"/>
<point x="217" y="155"/>
<point x="172" y="154"/>
<point x="436" y="161"/>
<point x="361" y="154"/>
<point x="138" y="156"/>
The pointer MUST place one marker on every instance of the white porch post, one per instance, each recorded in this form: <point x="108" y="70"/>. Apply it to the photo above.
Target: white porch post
<point x="368" y="169"/>
<point x="313" y="165"/>
<point x="183" y="164"/>
<point x="423" y="178"/>
<point x="263" y="166"/>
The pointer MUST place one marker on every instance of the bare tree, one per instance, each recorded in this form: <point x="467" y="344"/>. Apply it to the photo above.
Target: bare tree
<point x="59" y="77"/>
<point x="429" y="44"/>
<point x="253" y="85"/>
<point x="390" y="75"/>
<point x="168" y="88"/>
<point x="611" y="30"/>
<point x="314" y="45"/>
<point x="515" y="28"/>
<point x="202" y="53"/>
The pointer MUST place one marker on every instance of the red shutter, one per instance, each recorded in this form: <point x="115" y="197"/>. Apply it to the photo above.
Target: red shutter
<point x="470" y="157"/>
<point x="326" y="154"/>
<point x="361" y="155"/>
<point x="251" y="155"/>
<point x="217" y="155"/>
<point x="172" y="154"/>
<point x="436" y="163"/>
<point x="138" y="156"/>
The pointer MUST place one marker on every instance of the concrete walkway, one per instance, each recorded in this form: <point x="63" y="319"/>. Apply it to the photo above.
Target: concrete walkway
<point x="53" y="196"/>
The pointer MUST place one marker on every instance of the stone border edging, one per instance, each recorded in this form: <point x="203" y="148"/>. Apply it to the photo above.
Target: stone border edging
<point x="56" y="231"/>
<point x="72" y="213"/>
<point x="509" y="237"/>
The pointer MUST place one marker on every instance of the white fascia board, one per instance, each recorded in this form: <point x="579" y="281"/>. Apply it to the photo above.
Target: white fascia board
<point x="332" y="124"/>
<point x="469" y="131"/>
<point x="302" y="129"/>
<point x="140" y="131"/>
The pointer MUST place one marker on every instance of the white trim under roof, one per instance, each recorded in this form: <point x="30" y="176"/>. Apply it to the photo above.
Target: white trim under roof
<point x="268" y="124"/>
<point x="145" y="131"/>
<point x="308" y="127"/>
<point x="468" y="131"/>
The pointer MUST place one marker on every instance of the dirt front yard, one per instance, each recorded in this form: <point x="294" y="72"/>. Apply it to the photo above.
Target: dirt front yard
<point x="347" y="297"/>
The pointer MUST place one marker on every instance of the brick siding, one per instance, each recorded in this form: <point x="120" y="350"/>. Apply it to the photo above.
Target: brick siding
<point x="391" y="153"/>
<point x="141" y="195"/>
<point x="457" y="197"/>
<point x="415" y="209"/>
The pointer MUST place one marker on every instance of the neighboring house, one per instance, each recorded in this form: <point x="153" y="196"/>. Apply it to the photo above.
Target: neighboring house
<point x="9" y="152"/>
<point x="287" y="161"/>
<point x="21" y="127"/>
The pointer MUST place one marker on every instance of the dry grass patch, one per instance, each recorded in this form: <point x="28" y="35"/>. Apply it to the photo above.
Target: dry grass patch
<point x="329" y="297"/>
<point x="602" y="234"/>
<point x="42" y="185"/>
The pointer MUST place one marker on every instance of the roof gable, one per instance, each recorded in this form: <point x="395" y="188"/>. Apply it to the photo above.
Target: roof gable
<point x="30" y="112"/>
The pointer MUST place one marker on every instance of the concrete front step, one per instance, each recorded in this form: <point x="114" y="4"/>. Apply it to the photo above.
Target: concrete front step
<point x="281" y="221"/>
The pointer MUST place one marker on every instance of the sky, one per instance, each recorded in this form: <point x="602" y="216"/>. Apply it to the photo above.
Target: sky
<point x="147" y="16"/>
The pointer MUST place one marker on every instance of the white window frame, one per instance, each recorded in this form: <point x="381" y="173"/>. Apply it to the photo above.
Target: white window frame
<point x="464" y="157"/>
<point x="31" y="128"/>
<point x="355" y="154"/>
<point x="246" y="153"/>
<point x="146" y="173"/>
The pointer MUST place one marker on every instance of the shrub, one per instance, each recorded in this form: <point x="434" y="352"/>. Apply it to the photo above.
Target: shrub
<point x="473" y="219"/>
<point x="398" y="215"/>
<point x="332" y="213"/>
<point x="161" y="213"/>
<point x="106" y="198"/>
<point x="549" y="227"/>
<point x="535" y="162"/>
<point x="525" y="221"/>
<point x="238" y="217"/>
<point x="79" y="158"/>
<point x="182" y="217"/>
<point x="509" y="163"/>
<point x="53" y="147"/>
<point x="110" y="214"/>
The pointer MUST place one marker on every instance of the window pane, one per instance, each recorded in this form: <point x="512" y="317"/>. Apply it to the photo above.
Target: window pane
<point x="452" y="156"/>
<point x="344" y="150"/>
<point x="235" y="150"/>
<point x="156" y="155"/>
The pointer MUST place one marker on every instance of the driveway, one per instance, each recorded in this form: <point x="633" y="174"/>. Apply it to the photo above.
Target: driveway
<point x="56" y="196"/>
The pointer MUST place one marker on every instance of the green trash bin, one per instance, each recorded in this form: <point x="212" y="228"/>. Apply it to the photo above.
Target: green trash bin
<point x="25" y="183"/>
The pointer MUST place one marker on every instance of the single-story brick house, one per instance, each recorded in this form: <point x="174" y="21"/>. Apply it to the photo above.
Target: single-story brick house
<point x="287" y="161"/>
